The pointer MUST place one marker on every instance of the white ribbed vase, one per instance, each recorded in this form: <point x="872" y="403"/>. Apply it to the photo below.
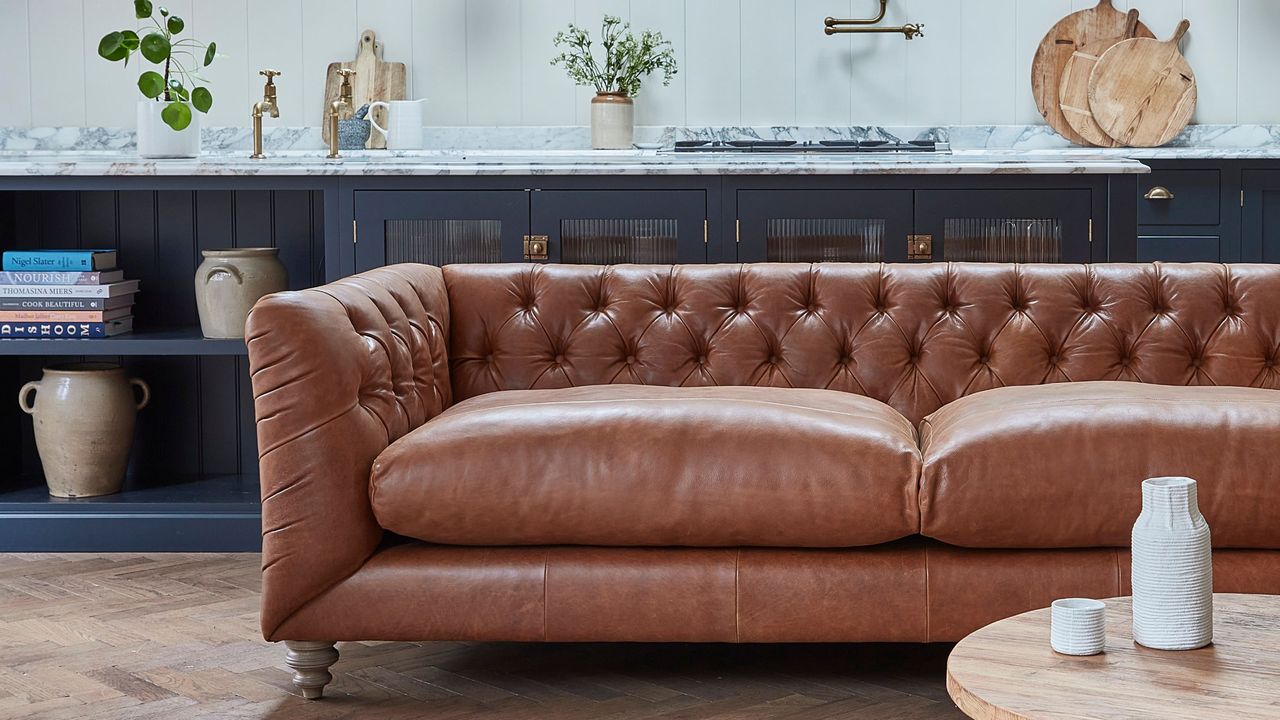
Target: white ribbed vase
<point x="1172" y="568"/>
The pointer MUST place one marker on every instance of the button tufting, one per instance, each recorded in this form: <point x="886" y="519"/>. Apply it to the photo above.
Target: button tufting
<point x="488" y="358"/>
<point x="702" y="359"/>
<point x="631" y="359"/>
<point x="774" y="359"/>
<point x="559" y="359"/>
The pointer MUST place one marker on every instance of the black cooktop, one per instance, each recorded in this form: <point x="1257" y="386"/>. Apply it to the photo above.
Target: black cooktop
<point x="809" y="146"/>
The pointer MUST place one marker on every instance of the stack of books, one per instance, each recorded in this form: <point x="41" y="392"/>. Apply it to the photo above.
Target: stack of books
<point x="64" y="294"/>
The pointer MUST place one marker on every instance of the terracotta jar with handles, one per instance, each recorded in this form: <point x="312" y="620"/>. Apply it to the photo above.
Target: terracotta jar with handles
<point x="229" y="282"/>
<point x="84" y="417"/>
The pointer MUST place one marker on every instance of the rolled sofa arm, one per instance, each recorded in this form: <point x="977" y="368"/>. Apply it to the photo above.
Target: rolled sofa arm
<point x="339" y="373"/>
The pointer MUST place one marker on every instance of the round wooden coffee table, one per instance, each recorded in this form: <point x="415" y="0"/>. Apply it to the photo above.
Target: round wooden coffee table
<point x="1007" y="671"/>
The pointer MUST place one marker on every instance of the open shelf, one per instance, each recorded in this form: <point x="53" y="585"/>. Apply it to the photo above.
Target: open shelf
<point x="165" y="341"/>
<point x="211" y="513"/>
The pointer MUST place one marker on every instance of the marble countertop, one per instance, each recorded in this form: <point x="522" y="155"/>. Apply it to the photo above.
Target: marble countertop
<point x="562" y="162"/>
<point x="298" y="151"/>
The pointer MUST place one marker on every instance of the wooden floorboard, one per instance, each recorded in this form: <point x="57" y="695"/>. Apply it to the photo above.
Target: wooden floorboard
<point x="116" y="637"/>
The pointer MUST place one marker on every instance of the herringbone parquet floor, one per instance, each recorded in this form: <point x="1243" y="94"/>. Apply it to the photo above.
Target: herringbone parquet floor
<point x="110" y="637"/>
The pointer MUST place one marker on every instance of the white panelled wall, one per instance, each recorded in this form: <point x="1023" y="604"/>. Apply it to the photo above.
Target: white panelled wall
<point x="742" y="62"/>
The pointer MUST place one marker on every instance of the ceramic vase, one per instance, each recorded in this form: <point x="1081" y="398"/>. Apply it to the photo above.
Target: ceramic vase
<point x="229" y="282"/>
<point x="613" y="121"/>
<point x="84" y="416"/>
<point x="158" y="140"/>
<point x="1172" y="568"/>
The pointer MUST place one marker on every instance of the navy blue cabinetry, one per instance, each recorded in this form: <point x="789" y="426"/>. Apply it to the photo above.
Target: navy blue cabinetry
<point x="193" y="475"/>
<point x="1189" y="211"/>
<point x="929" y="219"/>
<point x="193" y="479"/>
<point x="480" y="221"/>
<point x="1261" y="199"/>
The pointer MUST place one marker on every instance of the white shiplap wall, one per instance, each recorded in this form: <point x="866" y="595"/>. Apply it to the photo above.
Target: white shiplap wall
<point x="757" y="62"/>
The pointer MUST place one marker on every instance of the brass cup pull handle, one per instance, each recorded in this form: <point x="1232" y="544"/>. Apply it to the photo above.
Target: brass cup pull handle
<point x="1159" y="192"/>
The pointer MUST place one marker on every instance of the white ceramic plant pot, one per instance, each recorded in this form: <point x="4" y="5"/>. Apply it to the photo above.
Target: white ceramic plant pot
<point x="1172" y="568"/>
<point x="157" y="140"/>
<point x="613" y="121"/>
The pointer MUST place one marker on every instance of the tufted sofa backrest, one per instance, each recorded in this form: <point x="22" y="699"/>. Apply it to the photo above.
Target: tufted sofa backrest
<point x="913" y="336"/>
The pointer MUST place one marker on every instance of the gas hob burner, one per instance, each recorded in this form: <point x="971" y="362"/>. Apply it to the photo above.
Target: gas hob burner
<point x="810" y="147"/>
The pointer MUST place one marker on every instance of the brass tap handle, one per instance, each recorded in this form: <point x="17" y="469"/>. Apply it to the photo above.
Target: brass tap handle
<point x="270" y="74"/>
<point x="344" y="92"/>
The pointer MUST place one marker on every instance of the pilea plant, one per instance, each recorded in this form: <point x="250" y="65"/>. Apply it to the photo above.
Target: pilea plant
<point x="182" y="60"/>
<point x="627" y="58"/>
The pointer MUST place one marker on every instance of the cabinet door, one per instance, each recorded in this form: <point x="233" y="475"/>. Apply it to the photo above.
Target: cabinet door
<point x="608" y="227"/>
<point x="823" y="225"/>
<point x="1260" y="239"/>
<point x="1026" y="226"/>
<point x="440" y="227"/>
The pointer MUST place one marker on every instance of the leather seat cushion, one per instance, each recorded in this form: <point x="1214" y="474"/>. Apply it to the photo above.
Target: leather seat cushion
<point x="632" y="465"/>
<point x="1060" y="466"/>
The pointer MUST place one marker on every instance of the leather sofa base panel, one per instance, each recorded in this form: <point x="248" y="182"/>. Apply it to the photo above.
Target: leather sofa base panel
<point x="911" y="591"/>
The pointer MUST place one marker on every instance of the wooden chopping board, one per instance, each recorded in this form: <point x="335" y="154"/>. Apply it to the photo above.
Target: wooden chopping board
<point x="1073" y="96"/>
<point x="375" y="79"/>
<point x="1063" y="39"/>
<point x="1142" y="91"/>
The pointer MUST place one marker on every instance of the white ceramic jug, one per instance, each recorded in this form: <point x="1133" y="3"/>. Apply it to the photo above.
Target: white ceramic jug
<point x="404" y="123"/>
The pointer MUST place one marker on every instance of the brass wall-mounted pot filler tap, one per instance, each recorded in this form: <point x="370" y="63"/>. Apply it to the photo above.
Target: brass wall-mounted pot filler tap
<point x="266" y="106"/>
<point x="343" y="102"/>
<point x="834" y="26"/>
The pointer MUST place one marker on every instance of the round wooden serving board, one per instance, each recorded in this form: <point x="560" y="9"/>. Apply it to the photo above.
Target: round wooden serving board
<point x="1063" y="39"/>
<point x="1007" y="671"/>
<point x="1073" y="95"/>
<point x="1143" y="91"/>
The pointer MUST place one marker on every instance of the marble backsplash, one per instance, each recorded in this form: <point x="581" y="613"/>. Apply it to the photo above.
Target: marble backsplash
<point x="969" y="137"/>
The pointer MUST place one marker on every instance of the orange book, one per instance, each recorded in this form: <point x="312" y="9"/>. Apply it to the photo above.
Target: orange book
<point x="69" y="316"/>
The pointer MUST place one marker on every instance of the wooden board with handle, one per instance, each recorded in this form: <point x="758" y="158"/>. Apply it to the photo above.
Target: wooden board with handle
<point x="1142" y="91"/>
<point x="375" y="79"/>
<point x="1073" y="95"/>
<point x="1059" y="44"/>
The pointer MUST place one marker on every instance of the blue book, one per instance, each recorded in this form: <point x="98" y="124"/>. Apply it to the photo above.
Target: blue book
<point x="59" y="260"/>
<point x="16" y="330"/>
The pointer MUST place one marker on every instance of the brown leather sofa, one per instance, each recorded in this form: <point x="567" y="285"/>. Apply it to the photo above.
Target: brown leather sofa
<point x="760" y="453"/>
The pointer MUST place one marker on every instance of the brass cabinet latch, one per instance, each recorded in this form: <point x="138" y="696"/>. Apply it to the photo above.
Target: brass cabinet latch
<point x="535" y="247"/>
<point x="919" y="247"/>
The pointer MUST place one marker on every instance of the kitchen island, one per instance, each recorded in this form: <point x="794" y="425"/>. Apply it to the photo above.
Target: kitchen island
<point x="193" y="478"/>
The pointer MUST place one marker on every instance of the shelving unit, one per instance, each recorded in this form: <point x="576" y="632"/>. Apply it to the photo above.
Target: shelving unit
<point x="193" y="475"/>
<point x="176" y="514"/>
<point x="165" y="342"/>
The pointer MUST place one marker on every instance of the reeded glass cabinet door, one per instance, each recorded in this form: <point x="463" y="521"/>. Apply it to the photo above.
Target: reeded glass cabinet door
<point x="1023" y="226"/>
<point x="823" y="225"/>
<point x="609" y="227"/>
<point x="440" y="227"/>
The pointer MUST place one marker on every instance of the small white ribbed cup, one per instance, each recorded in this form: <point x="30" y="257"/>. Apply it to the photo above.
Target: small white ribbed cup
<point x="1078" y="626"/>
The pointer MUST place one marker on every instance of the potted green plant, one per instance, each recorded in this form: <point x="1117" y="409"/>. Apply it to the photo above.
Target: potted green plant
<point x="168" y="123"/>
<point x="617" y="76"/>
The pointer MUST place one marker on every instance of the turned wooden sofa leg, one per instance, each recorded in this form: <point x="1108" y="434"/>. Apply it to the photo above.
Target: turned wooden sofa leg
<point x="310" y="662"/>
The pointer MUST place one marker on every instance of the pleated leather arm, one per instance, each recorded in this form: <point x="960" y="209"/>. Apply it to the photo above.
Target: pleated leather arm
<point x="339" y="373"/>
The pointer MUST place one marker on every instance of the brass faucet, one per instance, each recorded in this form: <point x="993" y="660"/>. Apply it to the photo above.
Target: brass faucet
<point x="838" y="26"/>
<point x="343" y="102"/>
<point x="267" y="105"/>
